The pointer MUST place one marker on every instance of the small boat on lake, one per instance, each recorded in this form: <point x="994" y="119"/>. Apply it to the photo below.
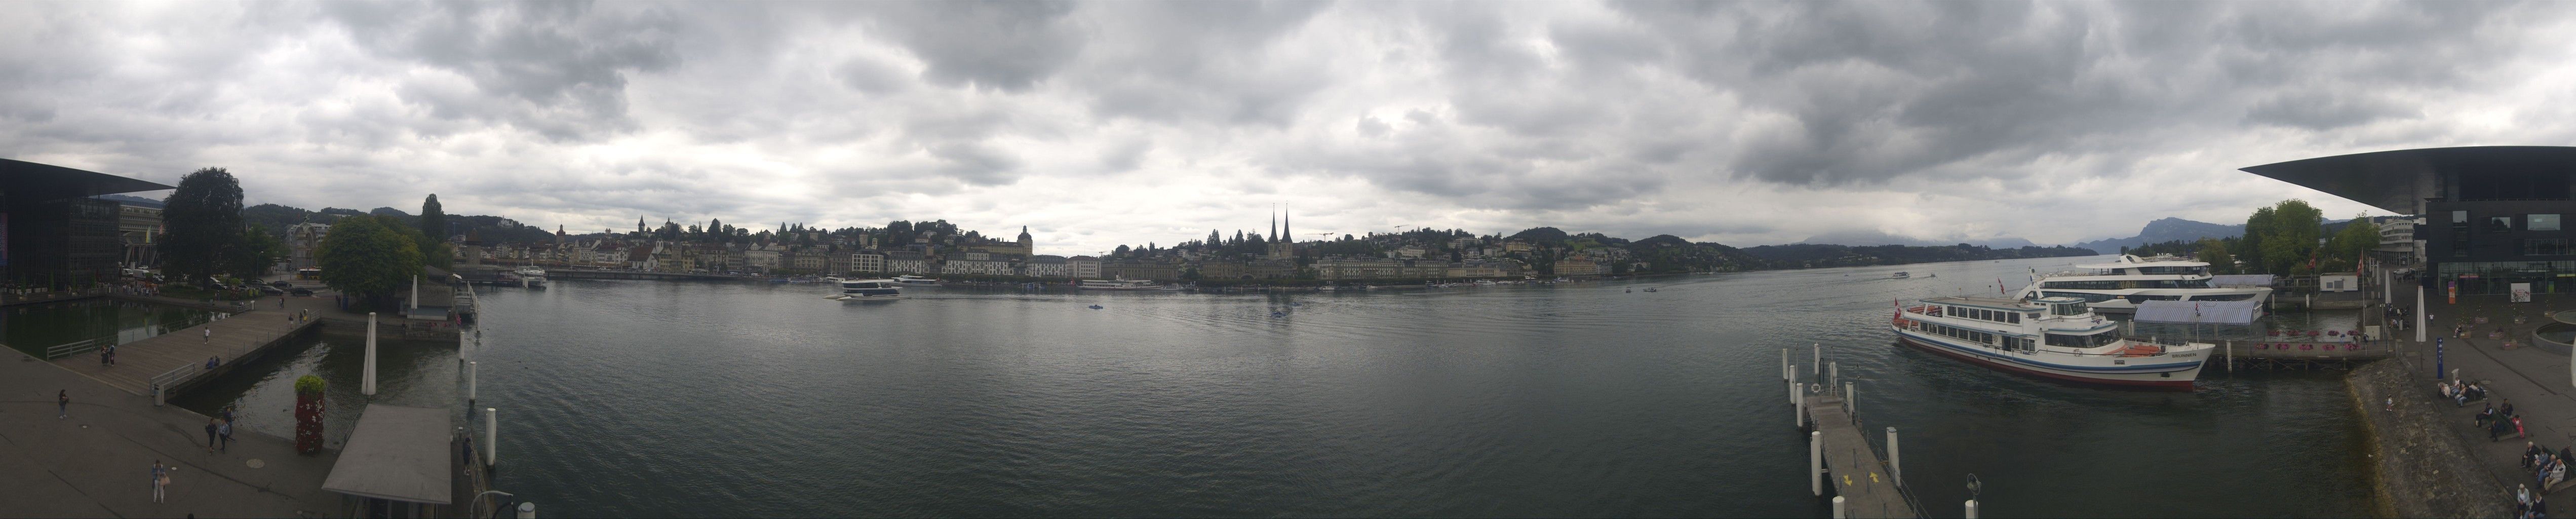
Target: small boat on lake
<point x="915" y="281"/>
<point x="1899" y="275"/>
<point x="2053" y="337"/>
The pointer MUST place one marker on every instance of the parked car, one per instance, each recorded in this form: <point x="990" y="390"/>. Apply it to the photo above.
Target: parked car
<point x="281" y="284"/>
<point x="301" y="291"/>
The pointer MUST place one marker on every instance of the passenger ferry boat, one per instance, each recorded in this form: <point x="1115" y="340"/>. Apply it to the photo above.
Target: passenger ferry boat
<point x="1117" y="284"/>
<point x="2119" y="286"/>
<point x="1899" y="275"/>
<point x="2052" y="337"/>
<point x="532" y="274"/>
<point x="914" y="281"/>
<point x="857" y="290"/>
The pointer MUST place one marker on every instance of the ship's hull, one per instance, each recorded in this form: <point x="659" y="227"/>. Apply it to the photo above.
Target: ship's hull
<point x="2171" y="375"/>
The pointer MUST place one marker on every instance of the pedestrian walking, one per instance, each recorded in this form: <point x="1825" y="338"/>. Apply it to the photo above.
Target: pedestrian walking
<point x="160" y="478"/>
<point x="2505" y="409"/>
<point x="213" y="434"/>
<point x="210" y="334"/>
<point x="227" y="433"/>
<point x="63" y="404"/>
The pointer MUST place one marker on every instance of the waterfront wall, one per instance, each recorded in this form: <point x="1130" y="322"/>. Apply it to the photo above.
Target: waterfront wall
<point x="2423" y="468"/>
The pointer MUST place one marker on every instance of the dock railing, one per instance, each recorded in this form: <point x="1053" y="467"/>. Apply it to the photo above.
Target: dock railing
<point x="68" y="349"/>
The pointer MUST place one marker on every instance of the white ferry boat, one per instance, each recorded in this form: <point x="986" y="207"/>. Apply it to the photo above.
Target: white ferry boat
<point x="858" y="290"/>
<point x="914" y="281"/>
<point x="533" y="275"/>
<point x="2120" y="286"/>
<point x="1117" y="284"/>
<point x="2053" y="337"/>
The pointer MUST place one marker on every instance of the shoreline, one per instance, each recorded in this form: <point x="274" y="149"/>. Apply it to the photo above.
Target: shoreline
<point x="2419" y="467"/>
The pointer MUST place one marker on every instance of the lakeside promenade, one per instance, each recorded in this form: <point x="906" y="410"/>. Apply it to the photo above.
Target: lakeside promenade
<point x="2534" y="379"/>
<point x="95" y="463"/>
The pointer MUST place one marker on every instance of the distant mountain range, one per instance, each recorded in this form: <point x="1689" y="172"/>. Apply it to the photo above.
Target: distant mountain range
<point x="1868" y="238"/>
<point x="2165" y="230"/>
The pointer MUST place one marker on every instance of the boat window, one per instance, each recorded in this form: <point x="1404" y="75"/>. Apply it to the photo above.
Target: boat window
<point x="2014" y="317"/>
<point x="2082" y="341"/>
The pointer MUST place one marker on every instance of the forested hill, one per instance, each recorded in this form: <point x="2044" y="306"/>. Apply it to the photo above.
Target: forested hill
<point x="1808" y="255"/>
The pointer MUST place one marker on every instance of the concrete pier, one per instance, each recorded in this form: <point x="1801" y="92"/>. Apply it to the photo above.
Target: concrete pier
<point x="1854" y="472"/>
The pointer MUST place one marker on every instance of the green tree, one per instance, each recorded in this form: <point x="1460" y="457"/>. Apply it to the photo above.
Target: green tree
<point x="2214" y="252"/>
<point x="2349" y="244"/>
<point x="256" y="251"/>
<point x="2285" y="236"/>
<point x="433" y="219"/>
<point x="204" y="218"/>
<point x="369" y="257"/>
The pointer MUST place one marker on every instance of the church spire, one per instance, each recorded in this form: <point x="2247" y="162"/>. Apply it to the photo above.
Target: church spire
<point x="1274" y="223"/>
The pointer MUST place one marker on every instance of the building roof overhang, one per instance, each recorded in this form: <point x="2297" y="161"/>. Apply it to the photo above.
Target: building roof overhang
<point x="47" y="181"/>
<point x="2395" y="181"/>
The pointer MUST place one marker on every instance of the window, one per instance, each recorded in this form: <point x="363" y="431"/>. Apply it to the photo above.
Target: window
<point x="2459" y="218"/>
<point x="2540" y="222"/>
<point x="2545" y="247"/>
<point x="2499" y="223"/>
<point x="2014" y="317"/>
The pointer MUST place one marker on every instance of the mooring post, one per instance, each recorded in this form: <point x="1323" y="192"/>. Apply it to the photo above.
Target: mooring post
<point x="1819" y="361"/>
<point x="2231" y="356"/>
<point x="156" y="395"/>
<point x="367" y="380"/>
<point x="469" y="383"/>
<point x="1784" y="364"/>
<point x="1838" y="508"/>
<point x="527" y="511"/>
<point x="1835" y="368"/>
<point x="1972" y="509"/>
<point x="1798" y="405"/>
<point x="491" y="437"/>
<point x="1793" y="386"/>
<point x="2419" y="313"/>
<point x="1851" y="404"/>
<point x="1895" y="467"/>
<point x="1816" y="463"/>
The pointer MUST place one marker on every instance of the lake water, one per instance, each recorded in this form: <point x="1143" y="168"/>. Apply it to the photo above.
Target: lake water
<point x="656" y="399"/>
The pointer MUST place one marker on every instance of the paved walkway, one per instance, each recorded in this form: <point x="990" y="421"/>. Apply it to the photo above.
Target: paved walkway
<point x="95" y="463"/>
<point x="2535" y="380"/>
<point x="1855" y="471"/>
<point x="233" y="337"/>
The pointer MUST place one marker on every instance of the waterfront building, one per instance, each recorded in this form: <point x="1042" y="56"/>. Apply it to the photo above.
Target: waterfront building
<point x="2491" y="216"/>
<point x="990" y="267"/>
<point x="835" y="262"/>
<point x="57" y="235"/>
<point x="1046" y="266"/>
<point x="2397" y="243"/>
<point x="763" y="257"/>
<point x="1140" y="270"/>
<point x="810" y="260"/>
<point x="1578" y="266"/>
<point x="867" y="262"/>
<point x="1082" y="267"/>
<point x="138" y="225"/>
<point x="303" y="239"/>
<point x="1483" y="269"/>
<point x="907" y="262"/>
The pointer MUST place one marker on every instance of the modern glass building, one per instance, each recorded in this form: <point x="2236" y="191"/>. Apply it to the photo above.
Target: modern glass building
<point x="2490" y="216"/>
<point x="53" y="235"/>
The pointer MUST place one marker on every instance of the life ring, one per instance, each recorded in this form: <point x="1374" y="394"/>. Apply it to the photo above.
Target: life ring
<point x="2307" y="346"/>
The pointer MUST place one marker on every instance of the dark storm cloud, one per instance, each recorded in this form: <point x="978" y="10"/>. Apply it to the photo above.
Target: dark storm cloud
<point x="1005" y="45"/>
<point x="557" y="68"/>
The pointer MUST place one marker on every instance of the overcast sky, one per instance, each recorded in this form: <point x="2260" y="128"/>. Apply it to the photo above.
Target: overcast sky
<point x="1096" y="124"/>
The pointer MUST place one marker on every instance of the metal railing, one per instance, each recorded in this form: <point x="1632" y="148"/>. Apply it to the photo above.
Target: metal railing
<point x="160" y="384"/>
<point x="68" y="349"/>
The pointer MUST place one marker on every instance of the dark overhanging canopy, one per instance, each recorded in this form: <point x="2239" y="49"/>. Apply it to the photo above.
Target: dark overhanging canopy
<point x="2395" y="181"/>
<point x="20" y="178"/>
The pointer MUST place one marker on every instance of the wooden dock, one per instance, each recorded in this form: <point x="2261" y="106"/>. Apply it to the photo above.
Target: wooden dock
<point x="1854" y="471"/>
<point x="2300" y="354"/>
<point x="237" y="338"/>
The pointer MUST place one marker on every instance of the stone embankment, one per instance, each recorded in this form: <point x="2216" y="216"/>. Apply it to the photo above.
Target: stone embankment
<point x="2423" y="468"/>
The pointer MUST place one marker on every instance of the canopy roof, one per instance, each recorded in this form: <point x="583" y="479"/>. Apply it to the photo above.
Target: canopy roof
<point x="398" y="453"/>
<point x="47" y="181"/>
<point x="2394" y="181"/>
<point x="2198" y="312"/>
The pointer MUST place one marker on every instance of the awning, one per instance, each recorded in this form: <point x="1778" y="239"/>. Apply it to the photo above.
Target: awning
<point x="2241" y="280"/>
<point x="2199" y="312"/>
<point x="397" y="453"/>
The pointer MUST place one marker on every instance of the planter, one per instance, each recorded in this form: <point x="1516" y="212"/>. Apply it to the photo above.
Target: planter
<point x="308" y="414"/>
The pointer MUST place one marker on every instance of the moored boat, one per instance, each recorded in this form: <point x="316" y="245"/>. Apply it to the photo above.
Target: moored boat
<point x="1117" y="284"/>
<point x="2119" y="286"/>
<point x="2051" y="337"/>
<point x="914" y="281"/>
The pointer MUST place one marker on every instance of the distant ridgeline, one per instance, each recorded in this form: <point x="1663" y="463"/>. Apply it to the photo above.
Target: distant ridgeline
<point x="276" y="218"/>
<point x="1810" y="255"/>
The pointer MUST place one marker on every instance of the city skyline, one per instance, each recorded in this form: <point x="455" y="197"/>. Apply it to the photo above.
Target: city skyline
<point x="1102" y="124"/>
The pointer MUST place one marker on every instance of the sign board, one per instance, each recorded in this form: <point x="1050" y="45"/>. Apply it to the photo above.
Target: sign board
<point x="2522" y="292"/>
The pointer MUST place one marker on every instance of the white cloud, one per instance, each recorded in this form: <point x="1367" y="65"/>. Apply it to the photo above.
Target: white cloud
<point x="1098" y="124"/>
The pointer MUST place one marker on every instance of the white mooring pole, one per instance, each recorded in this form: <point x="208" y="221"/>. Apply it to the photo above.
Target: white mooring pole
<point x="1793" y="385"/>
<point x="1816" y="463"/>
<point x="1838" y="508"/>
<point x="2420" y="310"/>
<point x="527" y="511"/>
<point x="1835" y="369"/>
<point x="491" y="437"/>
<point x="1851" y="403"/>
<point x="1819" y="361"/>
<point x="1784" y="364"/>
<point x="469" y="383"/>
<point x="1972" y="509"/>
<point x="1798" y="405"/>
<point x="367" y="380"/>
<point x="1895" y="464"/>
